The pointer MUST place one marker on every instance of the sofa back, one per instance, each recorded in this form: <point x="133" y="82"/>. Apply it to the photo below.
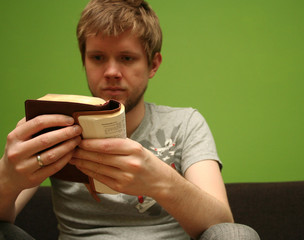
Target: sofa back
<point x="274" y="210"/>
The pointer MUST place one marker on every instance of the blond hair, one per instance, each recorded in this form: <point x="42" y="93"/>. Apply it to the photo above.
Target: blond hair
<point x="113" y="17"/>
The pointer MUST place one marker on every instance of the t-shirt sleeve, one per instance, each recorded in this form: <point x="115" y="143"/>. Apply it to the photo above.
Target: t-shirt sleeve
<point x="199" y="143"/>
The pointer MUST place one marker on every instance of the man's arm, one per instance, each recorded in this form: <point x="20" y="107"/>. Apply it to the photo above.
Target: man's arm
<point x="23" y="198"/>
<point x="197" y="201"/>
<point x="11" y="205"/>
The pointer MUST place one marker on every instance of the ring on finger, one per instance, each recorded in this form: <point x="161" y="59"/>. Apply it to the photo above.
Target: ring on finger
<point x="39" y="160"/>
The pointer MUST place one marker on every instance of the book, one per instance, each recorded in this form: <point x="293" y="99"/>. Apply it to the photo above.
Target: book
<point x="98" y="119"/>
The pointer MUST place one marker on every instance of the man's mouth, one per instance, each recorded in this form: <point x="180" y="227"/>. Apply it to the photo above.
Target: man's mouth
<point x="114" y="91"/>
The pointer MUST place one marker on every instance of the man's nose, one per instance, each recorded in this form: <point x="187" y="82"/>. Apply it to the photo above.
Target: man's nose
<point x="112" y="70"/>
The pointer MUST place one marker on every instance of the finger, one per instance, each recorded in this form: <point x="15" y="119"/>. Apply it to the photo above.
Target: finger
<point x="54" y="154"/>
<point x="112" y="160"/>
<point x="51" y="169"/>
<point x="27" y="129"/>
<point x="119" y="146"/>
<point x="50" y="139"/>
<point x="87" y="155"/>
<point x="31" y="165"/>
<point x="108" y="181"/>
<point x="117" y="180"/>
<point x="22" y="121"/>
<point x="96" y="170"/>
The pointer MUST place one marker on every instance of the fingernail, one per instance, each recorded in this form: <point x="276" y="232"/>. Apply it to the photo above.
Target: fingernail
<point x="77" y="129"/>
<point x="70" y="120"/>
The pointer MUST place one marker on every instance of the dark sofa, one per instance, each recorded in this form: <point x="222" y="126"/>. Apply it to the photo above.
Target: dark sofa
<point x="274" y="210"/>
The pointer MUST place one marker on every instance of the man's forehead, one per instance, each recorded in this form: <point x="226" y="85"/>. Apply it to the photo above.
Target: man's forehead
<point x="103" y="34"/>
<point x="126" y="40"/>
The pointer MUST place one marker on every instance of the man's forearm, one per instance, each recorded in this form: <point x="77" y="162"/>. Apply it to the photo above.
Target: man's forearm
<point x="7" y="206"/>
<point x="13" y="202"/>
<point x="193" y="208"/>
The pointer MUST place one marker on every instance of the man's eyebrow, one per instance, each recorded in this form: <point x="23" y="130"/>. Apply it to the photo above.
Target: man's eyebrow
<point x="129" y="52"/>
<point x="93" y="51"/>
<point x="124" y="52"/>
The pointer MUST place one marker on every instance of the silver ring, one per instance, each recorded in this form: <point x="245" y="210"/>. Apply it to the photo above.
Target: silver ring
<point x="39" y="160"/>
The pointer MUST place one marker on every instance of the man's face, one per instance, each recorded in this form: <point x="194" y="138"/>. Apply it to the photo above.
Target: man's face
<point x="117" y="68"/>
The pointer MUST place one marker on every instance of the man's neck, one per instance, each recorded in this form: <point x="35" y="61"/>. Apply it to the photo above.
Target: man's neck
<point x="134" y="117"/>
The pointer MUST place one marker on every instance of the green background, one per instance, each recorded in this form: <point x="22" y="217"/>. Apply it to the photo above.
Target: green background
<point x="239" y="62"/>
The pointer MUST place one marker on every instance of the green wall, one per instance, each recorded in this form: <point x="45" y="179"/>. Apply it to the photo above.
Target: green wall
<point x="239" y="62"/>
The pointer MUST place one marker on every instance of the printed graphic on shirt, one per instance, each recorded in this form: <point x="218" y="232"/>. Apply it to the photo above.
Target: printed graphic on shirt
<point x="165" y="152"/>
<point x="166" y="147"/>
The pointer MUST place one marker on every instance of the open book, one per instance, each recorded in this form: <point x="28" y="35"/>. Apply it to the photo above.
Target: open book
<point x="98" y="119"/>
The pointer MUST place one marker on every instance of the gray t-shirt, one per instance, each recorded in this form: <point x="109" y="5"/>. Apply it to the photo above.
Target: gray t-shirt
<point x="178" y="136"/>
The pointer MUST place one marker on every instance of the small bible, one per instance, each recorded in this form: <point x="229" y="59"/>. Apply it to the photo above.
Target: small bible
<point x="98" y="119"/>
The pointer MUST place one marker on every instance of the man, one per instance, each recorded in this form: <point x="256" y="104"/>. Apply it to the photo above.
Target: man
<point x="169" y="157"/>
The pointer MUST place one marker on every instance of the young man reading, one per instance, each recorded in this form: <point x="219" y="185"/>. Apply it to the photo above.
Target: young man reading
<point x="169" y="157"/>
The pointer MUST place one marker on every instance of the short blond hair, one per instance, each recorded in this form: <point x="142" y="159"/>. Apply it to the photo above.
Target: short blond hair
<point x="113" y="17"/>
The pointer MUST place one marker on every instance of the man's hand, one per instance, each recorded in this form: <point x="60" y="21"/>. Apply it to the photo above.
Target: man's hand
<point x="19" y="168"/>
<point x="123" y="165"/>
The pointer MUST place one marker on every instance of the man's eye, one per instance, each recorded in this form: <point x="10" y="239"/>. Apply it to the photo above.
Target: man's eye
<point x="127" y="58"/>
<point x="97" y="58"/>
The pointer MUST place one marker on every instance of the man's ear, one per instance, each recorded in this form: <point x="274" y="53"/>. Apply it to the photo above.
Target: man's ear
<point x="156" y="61"/>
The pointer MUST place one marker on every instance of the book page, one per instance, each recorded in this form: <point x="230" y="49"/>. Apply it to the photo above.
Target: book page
<point x="104" y="126"/>
<point x="73" y="98"/>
